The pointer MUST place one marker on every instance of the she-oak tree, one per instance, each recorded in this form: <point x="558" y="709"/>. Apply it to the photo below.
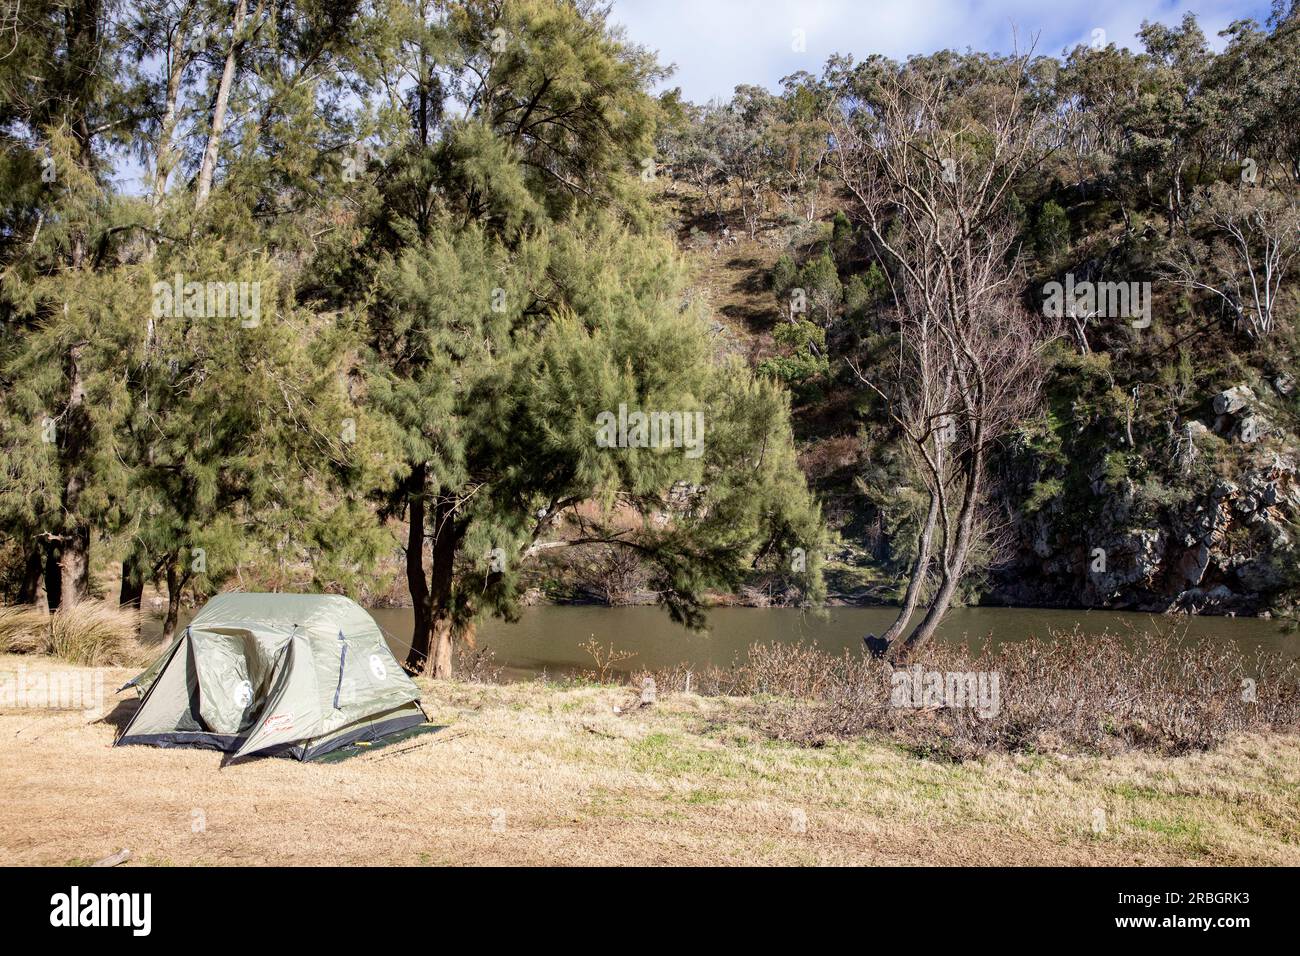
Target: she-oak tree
<point x="514" y="289"/>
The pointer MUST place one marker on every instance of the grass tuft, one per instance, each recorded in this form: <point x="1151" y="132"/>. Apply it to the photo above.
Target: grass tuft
<point x="90" y="633"/>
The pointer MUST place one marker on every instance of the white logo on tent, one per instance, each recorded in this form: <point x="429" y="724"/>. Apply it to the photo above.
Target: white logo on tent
<point x="377" y="667"/>
<point x="244" y="694"/>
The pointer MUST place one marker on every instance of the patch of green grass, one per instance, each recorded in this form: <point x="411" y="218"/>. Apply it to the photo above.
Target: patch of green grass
<point x="602" y="801"/>
<point x="664" y="753"/>
<point x="1178" y="827"/>
<point x="1190" y="834"/>
<point x="672" y="756"/>
<point x="705" y="795"/>
<point x="1130" y="791"/>
<point x="1031" y="763"/>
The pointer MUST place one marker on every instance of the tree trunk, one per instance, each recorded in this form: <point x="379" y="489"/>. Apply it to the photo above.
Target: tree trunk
<point x="218" y="125"/>
<point x="922" y="633"/>
<point x="165" y="158"/>
<point x="132" y="582"/>
<point x="74" y="561"/>
<point x="82" y="31"/>
<point x="416" y="582"/>
<point x="53" y="590"/>
<point x="174" y="585"/>
<point x="74" y="566"/>
<point x="443" y="642"/>
<point x="954" y="564"/>
<point x="920" y="568"/>
<point x="445" y="538"/>
<point x="433" y="644"/>
<point x="30" y="585"/>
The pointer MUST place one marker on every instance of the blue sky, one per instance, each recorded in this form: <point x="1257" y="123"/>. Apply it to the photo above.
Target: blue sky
<point x="717" y="44"/>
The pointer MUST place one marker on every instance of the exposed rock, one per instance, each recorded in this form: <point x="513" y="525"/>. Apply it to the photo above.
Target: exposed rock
<point x="1259" y="574"/>
<point x="1223" y="488"/>
<point x="1245" y="503"/>
<point x="1227" y="550"/>
<point x="1266" y="489"/>
<point x="1191" y="568"/>
<point x="1281" y="464"/>
<point x="1209" y="521"/>
<point x="1117" y="507"/>
<point x="1252" y="428"/>
<point x="1097" y="480"/>
<point x="1233" y="400"/>
<point x="1042" y="543"/>
<point x="1130" y="558"/>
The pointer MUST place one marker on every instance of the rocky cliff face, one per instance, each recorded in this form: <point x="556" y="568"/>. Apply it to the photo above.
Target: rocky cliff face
<point x="1224" y="545"/>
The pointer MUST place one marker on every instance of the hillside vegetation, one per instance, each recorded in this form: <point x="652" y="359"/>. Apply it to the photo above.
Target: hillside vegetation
<point x="1151" y="232"/>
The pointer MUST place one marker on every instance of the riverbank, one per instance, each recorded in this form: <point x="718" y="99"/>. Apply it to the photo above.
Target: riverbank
<point x="531" y="773"/>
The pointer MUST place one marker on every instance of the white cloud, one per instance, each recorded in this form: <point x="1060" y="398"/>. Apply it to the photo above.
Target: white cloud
<point x="717" y="44"/>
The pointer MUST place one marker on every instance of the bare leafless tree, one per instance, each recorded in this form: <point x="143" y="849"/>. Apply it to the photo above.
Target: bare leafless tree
<point x="931" y="162"/>
<point x="1241" y="243"/>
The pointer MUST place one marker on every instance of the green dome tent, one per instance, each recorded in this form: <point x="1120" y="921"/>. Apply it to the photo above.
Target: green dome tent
<point x="290" y="674"/>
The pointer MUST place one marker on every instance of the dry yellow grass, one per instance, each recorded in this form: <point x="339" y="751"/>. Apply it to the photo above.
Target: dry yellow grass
<point x="93" y="633"/>
<point x="529" y="774"/>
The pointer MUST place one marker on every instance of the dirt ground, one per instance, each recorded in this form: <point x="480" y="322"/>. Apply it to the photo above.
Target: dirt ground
<point x="535" y="774"/>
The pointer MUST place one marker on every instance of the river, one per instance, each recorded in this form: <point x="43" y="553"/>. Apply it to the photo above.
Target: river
<point x="548" y="639"/>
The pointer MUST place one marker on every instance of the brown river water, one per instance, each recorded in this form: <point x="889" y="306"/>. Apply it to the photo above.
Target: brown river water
<point x="548" y="639"/>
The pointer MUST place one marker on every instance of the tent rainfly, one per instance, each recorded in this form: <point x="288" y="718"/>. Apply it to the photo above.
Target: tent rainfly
<point x="293" y="675"/>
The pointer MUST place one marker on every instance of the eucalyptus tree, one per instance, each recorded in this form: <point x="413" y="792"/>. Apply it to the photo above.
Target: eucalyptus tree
<point x="1238" y="250"/>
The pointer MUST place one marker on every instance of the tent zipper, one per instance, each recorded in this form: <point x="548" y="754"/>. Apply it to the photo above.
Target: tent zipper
<point x="343" y="656"/>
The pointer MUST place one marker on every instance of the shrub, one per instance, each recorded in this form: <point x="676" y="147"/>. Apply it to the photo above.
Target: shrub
<point x="1156" y="692"/>
<point x="477" y="666"/>
<point x="784" y="275"/>
<point x="1051" y="231"/>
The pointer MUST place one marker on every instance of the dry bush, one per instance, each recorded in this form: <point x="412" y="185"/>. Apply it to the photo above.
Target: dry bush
<point x="90" y="633"/>
<point x="612" y="576"/>
<point x="682" y="678"/>
<point x="1156" y="692"/>
<point x="606" y="660"/>
<point x="477" y="665"/>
